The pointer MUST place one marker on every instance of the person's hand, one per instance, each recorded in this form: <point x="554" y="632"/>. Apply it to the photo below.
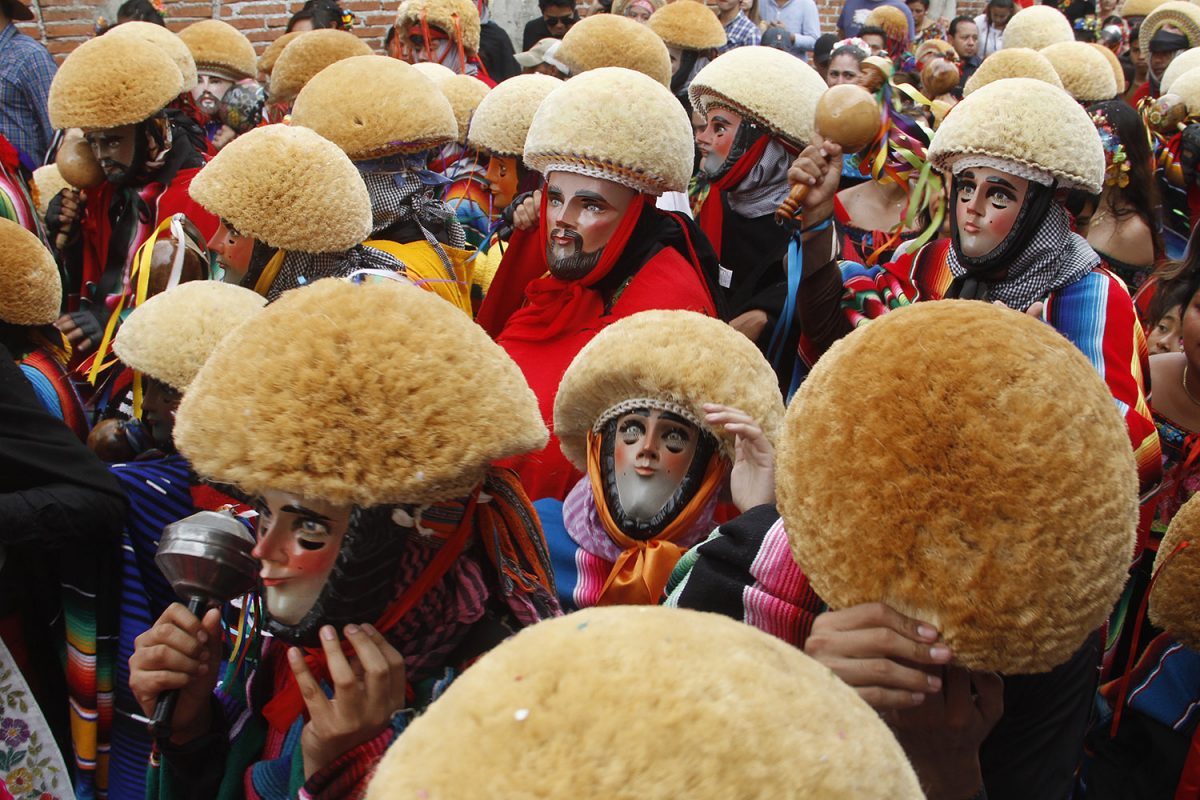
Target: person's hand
<point x="819" y="166"/>
<point x="942" y="736"/>
<point x="365" y="694"/>
<point x="750" y="324"/>
<point x="880" y="652"/>
<point x="82" y="330"/>
<point x="63" y="213"/>
<point x="525" y="216"/>
<point x="223" y="137"/>
<point x="179" y="652"/>
<point x="752" y="480"/>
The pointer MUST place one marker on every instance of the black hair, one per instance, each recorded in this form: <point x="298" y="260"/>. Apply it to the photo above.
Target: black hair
<point x="544" y="4"/>
<point x="922" y="2"/>
<point x="1142" y="192"/>
<point x="1171" y="294"/>
<point x="849" y="50"/>
<point x="388" y="37"/>
<point x="1000" y="4"/>
<point x="872" y="30"/>
<point x="954" y="23"/>
<point x="1183" y="276"/>
<point x="322" y="14"/>
<point x="139" y="11"/>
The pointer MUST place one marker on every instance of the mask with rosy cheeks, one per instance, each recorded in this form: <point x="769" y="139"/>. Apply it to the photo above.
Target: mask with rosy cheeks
<point x="988" y="205"/>
<point x="501" y="178"/>
<point x="299" y="540"/>
<point x="233" y="251"/>
<point x="716" y="141"/>
<point x="582" y="213"/>
<point x="208" y="91"/>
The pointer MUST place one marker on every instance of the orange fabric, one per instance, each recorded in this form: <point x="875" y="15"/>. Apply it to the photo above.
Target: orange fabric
<point x="639" y="575"/>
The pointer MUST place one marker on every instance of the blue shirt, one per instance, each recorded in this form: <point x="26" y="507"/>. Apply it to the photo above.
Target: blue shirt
<point x="26" y="70"/>
<point x="854" y="14"/>
<point x="799" y="17"/>
<point x="741" y="32"/>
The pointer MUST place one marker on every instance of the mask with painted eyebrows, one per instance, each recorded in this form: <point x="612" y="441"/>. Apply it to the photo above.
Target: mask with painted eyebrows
<point x="652" y="463"/>
<point x="582" y="214"/>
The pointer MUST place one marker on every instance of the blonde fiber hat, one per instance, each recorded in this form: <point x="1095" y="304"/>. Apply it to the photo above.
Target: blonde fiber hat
<point x="171" y="44"/>
<point x="1085" y="73"/>
<point x="1174" y="600"/>
<point x="30" y="288"/>
<point x="1182" y="63"/>
<point x="448" y="16"/>
<point x="608" y="40"/>
<point x="288" y="187"/>
<point x="172" y="334"/>
<point x="502" y="119"/>
<point x="464" y="93"/>
<point x="964" y="531"/>
<point x="435" y="72"/>
<point x="338" y="391"/>
<point x="565" y="709"/>
<point x="773" y="88"/>
<point x="219" y="46"/>
<point x="892" y="20"/>
<point x="1114" y="64"/>
<point x="688" y="26"/>
<point x="1182" y="15"/>
<point x="1037" y="27"/>
<point x="615" y="124"/>
<point x="375" y="106"/>
<point x="1138" y="8"/>
<point x="266" y="62"/>
<point x="1013" y="62"/>
<point x="1187" y="87"/>
<point x="307" y="55"/>
<point x="680" y="358"/>
<point x="107" y="83"/>
<point x="1027" y="123"/>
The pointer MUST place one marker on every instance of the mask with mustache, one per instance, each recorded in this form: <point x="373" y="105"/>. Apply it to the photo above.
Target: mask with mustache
<point x="573" y="265"/>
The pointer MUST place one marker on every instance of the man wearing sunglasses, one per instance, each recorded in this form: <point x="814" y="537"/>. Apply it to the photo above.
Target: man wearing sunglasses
<point x="557" y="18"/>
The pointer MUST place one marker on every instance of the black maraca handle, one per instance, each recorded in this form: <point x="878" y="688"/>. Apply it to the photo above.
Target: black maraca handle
<point x="164" y="709"/>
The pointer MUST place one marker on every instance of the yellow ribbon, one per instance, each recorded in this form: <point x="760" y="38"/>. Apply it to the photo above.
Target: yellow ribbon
<point x="269" y="273"/>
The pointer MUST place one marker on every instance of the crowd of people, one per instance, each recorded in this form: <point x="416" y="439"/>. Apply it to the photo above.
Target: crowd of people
<point x="436" y="345"/>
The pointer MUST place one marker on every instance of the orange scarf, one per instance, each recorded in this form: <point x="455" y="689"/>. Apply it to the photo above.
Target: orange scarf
<point x="639" y="575"/>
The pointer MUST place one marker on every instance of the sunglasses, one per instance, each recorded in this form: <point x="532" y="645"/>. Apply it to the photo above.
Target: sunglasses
<point x="568" y="20"/>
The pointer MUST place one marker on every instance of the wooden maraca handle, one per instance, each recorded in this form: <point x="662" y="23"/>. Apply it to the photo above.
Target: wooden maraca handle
<point x="791" y="204"/>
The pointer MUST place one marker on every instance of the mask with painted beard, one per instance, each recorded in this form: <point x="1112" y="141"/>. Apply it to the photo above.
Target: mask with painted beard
<point x="566" y="258"/>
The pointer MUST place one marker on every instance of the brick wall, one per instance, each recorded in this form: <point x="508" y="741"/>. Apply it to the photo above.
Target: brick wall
<point x="63" y="24"/>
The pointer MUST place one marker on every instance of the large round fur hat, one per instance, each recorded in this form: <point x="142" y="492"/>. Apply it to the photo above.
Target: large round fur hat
<point x="688" y="26"/>
<point x="171" y="44"/>
<point x="172" y="334"/>
<point x="955" y="520"/>
<point x="774" y="88"/>
<point x="288" y="187"/>
<point x="1085" y="73"/>
<point x="307" y="55"/>
<point x="374" y="106"/>
<point x="1184" y="62"/>
<point x="891" y="19"/>
<point x="1132" y="9"/>
<point x="503" y="117"/>
<point x="616" y="124"/>
<point x="1028" y="123"/>
<point x="1013" y="62"/>
<point x="30" y="289"/>
<point x="465" y="93"/>
<point x="435" y="72"/>
<point x="647" y="702"/>
<point x="220" y="47"/>
<point x="608" y="40"/>
<point x="339" y="391"/>
<point x="1176" y="13"/>
<point x="1037" y="27"/>
<point x="1187" y="87"/>
<point x="107" y="83"/>
<point x="266" y="62"/>
<point x="1114" y="64"/>
<point x="679" y="358"/>
<point x="448" y="16"/>
<point x="1175" y="598"/>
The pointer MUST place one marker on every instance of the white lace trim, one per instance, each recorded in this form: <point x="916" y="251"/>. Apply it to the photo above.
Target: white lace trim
<point x="627" y="406"/>
<point x="596" y="172"/>
<point x="1029" y="173"/>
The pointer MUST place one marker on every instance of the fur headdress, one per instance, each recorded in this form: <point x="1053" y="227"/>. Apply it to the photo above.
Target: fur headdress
<point x="608" y="40"/>
<point x="464" y="93"/>
<point x="1182" y="63"/>
<point x="219" y="46"/>
<point x="1037" y="27"/>
<point x="171" y="44"/>
<point x="307" y="55"/>
<point x="30" y="289"/>
<point x="107" y="83"/>
<point x="1013" y="62"/>
<point x="995" y="492"/>
<point x="503" y="117"/>
<point x="451" y="17"/>
<point x="1174" y="600"/>
<point x="1176" y="13"/>
<point x="351" y="393"/>
<point x="1084" y="72"/>
<point x="688" y="26"/>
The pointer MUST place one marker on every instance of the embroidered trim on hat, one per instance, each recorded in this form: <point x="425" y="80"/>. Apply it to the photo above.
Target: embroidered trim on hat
<point x="1025" y="171"/>
<point x="628" y="406"/>
<point x="608" y="172"/>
